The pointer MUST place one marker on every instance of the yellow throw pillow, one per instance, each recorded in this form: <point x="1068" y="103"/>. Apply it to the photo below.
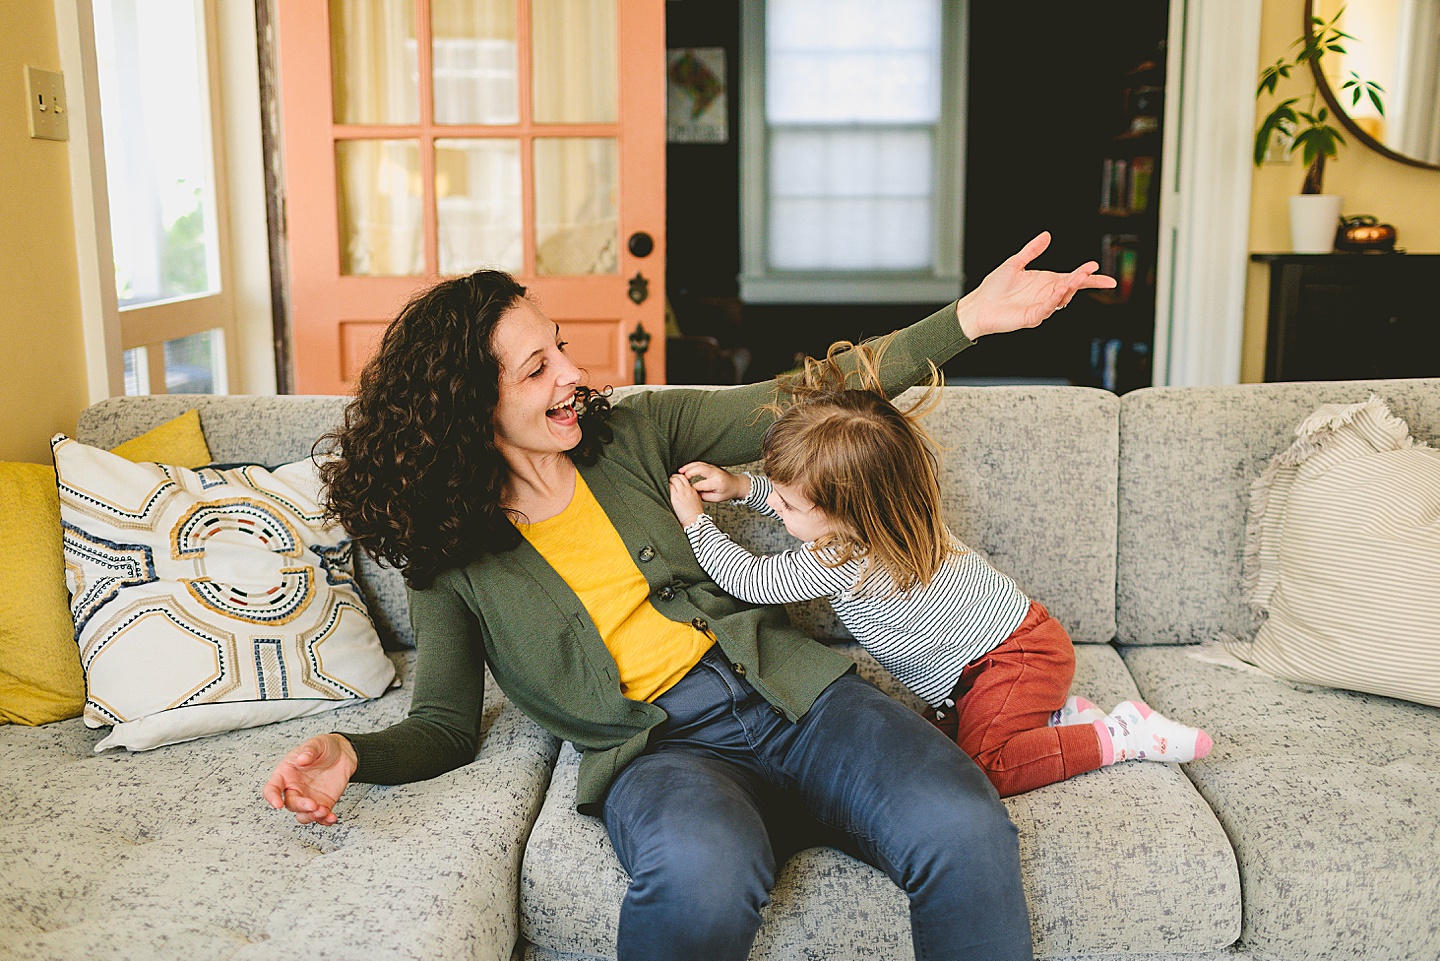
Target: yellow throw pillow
<point x="40" y="676"/>
<point x="179" y="442"/>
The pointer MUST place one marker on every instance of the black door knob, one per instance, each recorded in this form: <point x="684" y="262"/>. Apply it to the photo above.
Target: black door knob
<point x="641" y="244"/>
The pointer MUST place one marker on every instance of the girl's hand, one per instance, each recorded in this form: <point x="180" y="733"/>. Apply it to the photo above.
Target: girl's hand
<point x="310" y="779"/>
<point x="1011" y="297"/>
<point x="715" y="484"/>
<point x="684" y="500"/>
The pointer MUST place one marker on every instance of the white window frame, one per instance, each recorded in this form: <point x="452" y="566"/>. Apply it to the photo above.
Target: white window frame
<point x="232" y="79"/>
<point x="761" y="285"/>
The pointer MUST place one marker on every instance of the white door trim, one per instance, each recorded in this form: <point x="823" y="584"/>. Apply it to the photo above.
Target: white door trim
<point x="1214" y="50"/>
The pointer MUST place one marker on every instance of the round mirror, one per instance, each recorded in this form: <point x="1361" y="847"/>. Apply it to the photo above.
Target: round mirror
<point x="1397" y="45"/>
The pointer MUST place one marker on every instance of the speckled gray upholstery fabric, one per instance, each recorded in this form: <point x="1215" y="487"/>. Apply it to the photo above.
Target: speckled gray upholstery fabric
<point x="1188" y="456"/>
<point x="1331" y="799"/>
<point x="1091" y="850"/>
<point x="172" y="854"/>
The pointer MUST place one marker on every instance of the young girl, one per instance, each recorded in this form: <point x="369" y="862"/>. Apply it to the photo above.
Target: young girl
<point x="852" y="476"/>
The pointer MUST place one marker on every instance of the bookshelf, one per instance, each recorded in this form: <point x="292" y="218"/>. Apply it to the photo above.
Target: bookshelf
<point x="1127" y="229"/>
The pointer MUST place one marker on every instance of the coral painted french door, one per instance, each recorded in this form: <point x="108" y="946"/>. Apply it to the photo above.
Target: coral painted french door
<point x="428" y="138"/>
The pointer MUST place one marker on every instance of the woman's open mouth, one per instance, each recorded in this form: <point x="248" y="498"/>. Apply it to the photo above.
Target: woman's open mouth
<point x="564" y="413"/>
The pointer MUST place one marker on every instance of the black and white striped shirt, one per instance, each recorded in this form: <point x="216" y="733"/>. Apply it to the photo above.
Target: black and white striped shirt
<point x="924" y="637"/>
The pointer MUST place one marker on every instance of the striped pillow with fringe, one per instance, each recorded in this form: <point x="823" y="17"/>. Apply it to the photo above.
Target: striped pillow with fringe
<point x="1342" y="557"/>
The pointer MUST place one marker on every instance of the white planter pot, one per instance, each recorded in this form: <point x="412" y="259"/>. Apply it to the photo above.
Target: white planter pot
<point x="1313" y="221"/>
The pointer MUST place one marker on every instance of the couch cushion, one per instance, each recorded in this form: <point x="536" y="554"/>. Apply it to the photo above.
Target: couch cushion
<point x="1091" y="851"/>
<point x="1331" y="799"/>
<point x="172" y="854"/>
<point x="1188" y="456"/>
<point x="256" y="430"/>
<point x="1028" y="479"/>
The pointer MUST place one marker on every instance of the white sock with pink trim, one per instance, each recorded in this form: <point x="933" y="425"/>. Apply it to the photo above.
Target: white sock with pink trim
<point x="1077" y="710"/>
<point x="1132" y="731"/>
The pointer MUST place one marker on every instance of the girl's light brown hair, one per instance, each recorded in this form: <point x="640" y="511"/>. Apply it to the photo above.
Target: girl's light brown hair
<point x="866" y="463"/>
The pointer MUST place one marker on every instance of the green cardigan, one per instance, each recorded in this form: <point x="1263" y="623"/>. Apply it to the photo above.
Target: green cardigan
<point x="513" y="612"/>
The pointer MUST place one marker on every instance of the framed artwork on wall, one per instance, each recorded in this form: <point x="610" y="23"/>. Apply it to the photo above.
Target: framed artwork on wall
<point x="696" y="102"/>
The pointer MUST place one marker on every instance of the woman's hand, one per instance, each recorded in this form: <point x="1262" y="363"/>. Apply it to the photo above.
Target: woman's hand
<point x="310" y="779"/>
<point x="1012" y="297"/>
<point x="715" y="484"/>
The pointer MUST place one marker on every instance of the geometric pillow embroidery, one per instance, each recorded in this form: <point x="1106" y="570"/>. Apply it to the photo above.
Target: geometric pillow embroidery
<point x="210" y="599"/>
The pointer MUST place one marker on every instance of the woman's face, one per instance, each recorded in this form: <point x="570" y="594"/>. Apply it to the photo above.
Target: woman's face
<point x="535" y="412"/>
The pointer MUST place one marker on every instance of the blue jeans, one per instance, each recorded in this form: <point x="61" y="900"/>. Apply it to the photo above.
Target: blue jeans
<point x="697" y="820"/>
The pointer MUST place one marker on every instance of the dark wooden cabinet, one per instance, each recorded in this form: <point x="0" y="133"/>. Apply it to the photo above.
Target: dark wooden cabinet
<point x="1352" y="316"/>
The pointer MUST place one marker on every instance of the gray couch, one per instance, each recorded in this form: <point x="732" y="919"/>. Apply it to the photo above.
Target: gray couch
<point x="1311" y="832"/>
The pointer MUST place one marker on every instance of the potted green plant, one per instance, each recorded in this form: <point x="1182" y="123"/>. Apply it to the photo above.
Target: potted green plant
<point x="1310" y="129"/>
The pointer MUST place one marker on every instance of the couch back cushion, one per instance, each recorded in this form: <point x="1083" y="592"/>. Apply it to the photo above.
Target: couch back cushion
<point x="256" y="430"/>
<point x="1028" y="479"/>
<point x="1188" y="457"/>
<point x="1028" y="476"/>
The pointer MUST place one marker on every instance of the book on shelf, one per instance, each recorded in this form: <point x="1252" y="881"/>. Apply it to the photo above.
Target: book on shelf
<point x="1125" y="185"/>
<point x="1112" y="247"/>
<point x="1142" y="170"/>
<point x="1127" y="265"/>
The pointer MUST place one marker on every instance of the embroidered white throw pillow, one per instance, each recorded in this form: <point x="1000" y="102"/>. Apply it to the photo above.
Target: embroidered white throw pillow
<point x="208" y="600"/>
<point x="1343" y="557"/>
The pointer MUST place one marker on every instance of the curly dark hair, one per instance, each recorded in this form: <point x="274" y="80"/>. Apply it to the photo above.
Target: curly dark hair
<point x="415" y="475"/>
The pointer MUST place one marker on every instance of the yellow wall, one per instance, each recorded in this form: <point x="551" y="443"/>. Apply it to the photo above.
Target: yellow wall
<point x="1396" y="193"/>
<point x="42" y="356"/>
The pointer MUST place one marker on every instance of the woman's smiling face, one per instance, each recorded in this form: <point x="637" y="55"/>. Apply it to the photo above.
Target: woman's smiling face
<point x="535" y="413"/>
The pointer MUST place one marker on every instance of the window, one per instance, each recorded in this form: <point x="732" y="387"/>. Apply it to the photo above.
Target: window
<point x="162" y="191"/>
<point x="851" y="150"/>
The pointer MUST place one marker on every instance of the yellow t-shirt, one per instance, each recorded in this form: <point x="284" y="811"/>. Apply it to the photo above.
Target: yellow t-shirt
<point x="651" y="651"/>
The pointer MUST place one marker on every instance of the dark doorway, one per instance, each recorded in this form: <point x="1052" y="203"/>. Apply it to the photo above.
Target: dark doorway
<point x="1047" y="95"/>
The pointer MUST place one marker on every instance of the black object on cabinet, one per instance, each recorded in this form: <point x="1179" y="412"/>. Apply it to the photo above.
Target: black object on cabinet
<point x="1352" y="316"/>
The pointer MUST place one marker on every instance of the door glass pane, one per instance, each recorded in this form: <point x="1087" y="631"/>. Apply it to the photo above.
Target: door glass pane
<point x="473" y="48"/>
<point x="575" y="61"/>
<point x="373" y="66"/>
<point x="379" y="202"/>
<point x="477" y="199"/>
<point x="195" y="364"/>
<point x="576" y="222"/>
<point x="838" y="61"/>
<point x="157" y="161"/>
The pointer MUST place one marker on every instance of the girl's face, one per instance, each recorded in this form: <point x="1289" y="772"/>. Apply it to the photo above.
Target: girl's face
<point x="535" y="412"/>
<point x="802" y="519"/>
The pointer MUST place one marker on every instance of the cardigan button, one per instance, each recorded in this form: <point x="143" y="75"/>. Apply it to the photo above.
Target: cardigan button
<point x="666" y="593"/>
<point x="738" y="668"/>
<point x="647" y="554"/>
<point x="700" y="624"/>
<point x="776" y="711"/>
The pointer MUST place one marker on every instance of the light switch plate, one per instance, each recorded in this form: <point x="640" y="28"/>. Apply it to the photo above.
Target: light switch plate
<point x="46" y="92"/>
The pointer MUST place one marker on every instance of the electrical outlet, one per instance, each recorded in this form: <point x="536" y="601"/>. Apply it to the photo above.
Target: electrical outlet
<point x="46" y="92"/>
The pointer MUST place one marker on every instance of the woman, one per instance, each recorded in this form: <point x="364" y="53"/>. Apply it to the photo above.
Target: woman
<point x="534" y="527"/>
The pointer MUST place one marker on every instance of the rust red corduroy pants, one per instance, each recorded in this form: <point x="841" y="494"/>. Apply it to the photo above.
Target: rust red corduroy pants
<point x="1003" y="702"/>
